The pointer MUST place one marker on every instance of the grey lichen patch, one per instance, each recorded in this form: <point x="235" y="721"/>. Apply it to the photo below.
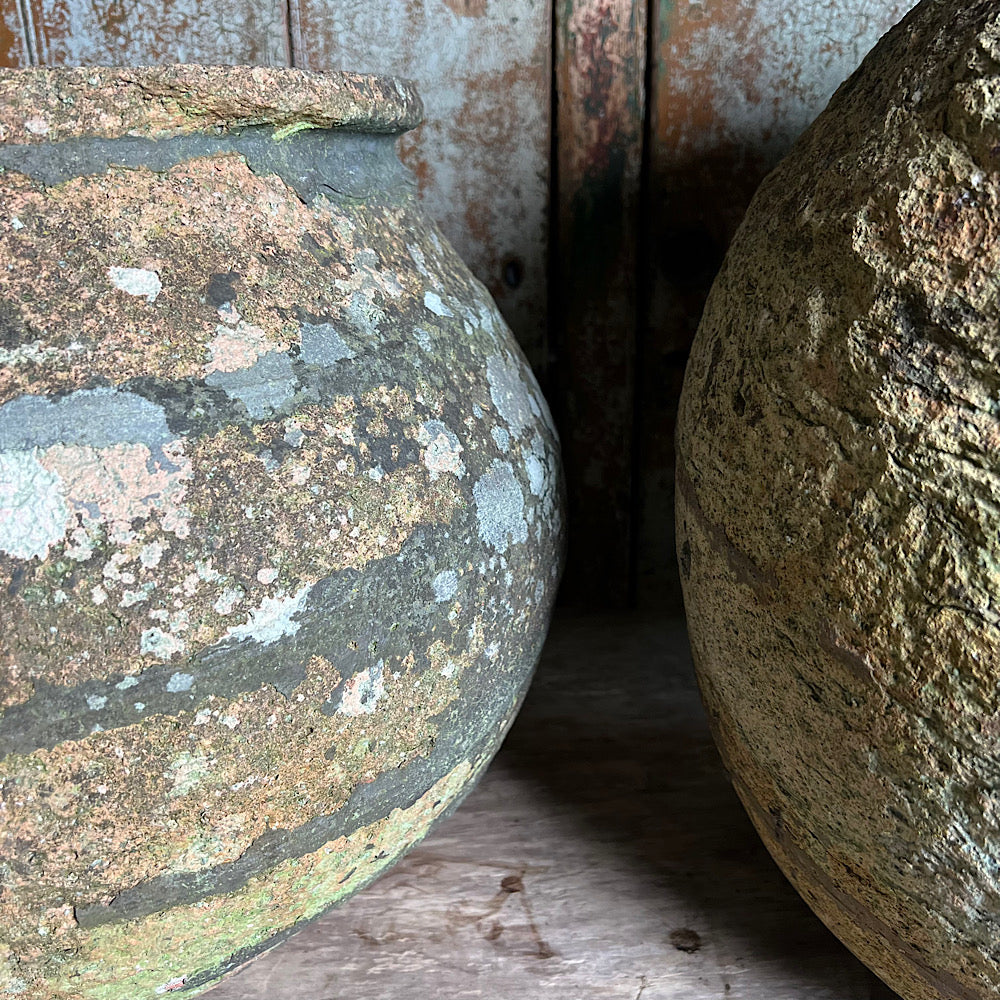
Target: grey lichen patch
<point x="500" y="438"/>
<point x="536" y="470"/>
<point x="273" y="619"/>
<point x="511" y="396"/>
<point x="321" y="344"/>
<point x="98" y="418"/>
<point x="500" y="507"/>
<point x="264" y="388"/>
<point x="33" y="511"/>
<point x="445" y="585"/>
<point x="160" y="645"/>
<point x="435" y="304"/>
<point x="442" y="449"/>
<point x="137" y="281"/>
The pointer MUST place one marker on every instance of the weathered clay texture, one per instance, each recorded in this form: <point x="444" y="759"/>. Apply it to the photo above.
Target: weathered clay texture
<point x="838" y="500"/>
<point x="279" y="531"/>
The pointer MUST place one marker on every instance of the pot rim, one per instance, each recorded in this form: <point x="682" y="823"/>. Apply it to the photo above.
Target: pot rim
<point x="46" y="104"/>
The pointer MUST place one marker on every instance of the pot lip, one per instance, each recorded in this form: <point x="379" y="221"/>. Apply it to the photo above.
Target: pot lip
<point x="46" y="104"/>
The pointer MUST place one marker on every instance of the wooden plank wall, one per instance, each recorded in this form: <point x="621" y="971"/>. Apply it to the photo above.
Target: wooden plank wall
<point x="600" y="101"/>
<point x="80" y="32"/>
<point x="597" y="226"/>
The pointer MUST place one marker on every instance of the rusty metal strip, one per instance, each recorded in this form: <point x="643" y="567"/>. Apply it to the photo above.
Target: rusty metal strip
<point x="600" y="69"/>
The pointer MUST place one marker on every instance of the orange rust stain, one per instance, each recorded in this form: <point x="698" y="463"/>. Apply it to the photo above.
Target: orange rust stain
<point x="411" y="152"/>
<point x="683" y="112"/>
<point x="706" y="51"/>
<point x="13" y="51"/>
<point x="468" y="8"/>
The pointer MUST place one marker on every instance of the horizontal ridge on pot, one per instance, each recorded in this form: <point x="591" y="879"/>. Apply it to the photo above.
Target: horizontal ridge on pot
<point x="280" y="517"/>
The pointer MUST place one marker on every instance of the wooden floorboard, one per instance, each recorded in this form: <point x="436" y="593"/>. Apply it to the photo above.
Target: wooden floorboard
<point x="604" y="856"/>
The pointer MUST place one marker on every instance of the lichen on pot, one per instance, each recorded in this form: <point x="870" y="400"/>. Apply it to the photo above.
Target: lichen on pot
<point x="837" y="507"/>
<point x="280" y="517"/>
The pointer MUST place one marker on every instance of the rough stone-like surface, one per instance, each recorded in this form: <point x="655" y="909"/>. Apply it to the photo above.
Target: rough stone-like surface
<point x="43" y="105"/>
<point x="838" y="507"/>
<point x="279" y="536"/>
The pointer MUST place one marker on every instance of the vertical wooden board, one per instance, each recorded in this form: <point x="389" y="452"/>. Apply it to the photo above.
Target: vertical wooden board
<point x="81" y="32"/>
<point x="13" y="37"/>
<point x="732" y="86"/>
<point x="482" y="157"/>
<point x="600" y="68"/>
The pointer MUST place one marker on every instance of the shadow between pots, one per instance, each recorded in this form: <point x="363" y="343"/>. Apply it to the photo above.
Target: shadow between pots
<point x="613" y="729"/>
<point x="604" y="856"/>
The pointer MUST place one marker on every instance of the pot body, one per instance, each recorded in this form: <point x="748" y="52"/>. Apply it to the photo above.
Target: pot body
<point x="279" y="518"/>
<point x="837" y="499"/>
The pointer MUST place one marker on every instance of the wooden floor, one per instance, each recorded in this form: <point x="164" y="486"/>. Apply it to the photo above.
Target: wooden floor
<point x="603" y="856"/>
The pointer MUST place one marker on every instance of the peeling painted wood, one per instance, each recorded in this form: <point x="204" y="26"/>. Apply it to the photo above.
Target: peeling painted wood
<point x="732" y="86"/>
<point x="482" y="157"/>
<point x="123" y="32"/>
<point x="13" y="37"/>
<point x="600" y="53"/>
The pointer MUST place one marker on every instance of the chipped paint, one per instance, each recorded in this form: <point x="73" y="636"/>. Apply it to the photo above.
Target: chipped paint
<point x="752" y="76"/>
<point x="78" y="34"/>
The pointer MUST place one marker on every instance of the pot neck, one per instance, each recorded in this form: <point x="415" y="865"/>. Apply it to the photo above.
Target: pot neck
<point x="39" y="105"/>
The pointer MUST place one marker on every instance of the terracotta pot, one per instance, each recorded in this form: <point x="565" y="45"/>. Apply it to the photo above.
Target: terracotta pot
<point x="279" y="517"/>
<point x="838" y="491"/>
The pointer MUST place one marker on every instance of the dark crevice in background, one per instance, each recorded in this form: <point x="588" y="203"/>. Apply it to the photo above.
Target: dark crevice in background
<point x="290" y="46"/>
<point x="644" y="298"/>
<point x="549" y="375"/>
<point x="28" y="31"/>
